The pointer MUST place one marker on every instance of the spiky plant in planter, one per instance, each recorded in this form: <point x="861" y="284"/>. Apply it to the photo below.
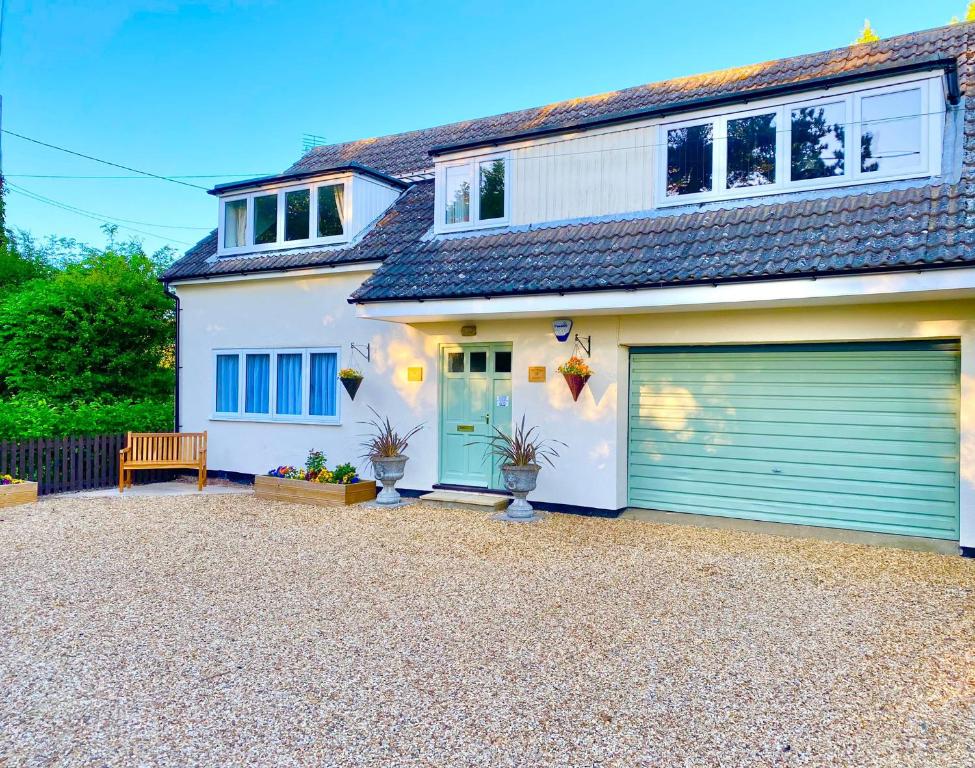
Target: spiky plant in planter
<point x="384" y="449"/>
<point x="521" y="454"/>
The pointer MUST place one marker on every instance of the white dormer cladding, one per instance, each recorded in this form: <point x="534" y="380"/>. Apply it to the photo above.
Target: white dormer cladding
<point x="330" y="209"/>
<point x="880" y="130"/>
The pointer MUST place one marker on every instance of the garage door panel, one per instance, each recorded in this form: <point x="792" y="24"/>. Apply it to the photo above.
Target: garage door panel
<point x="806" y="515"/>
<point x="661" y="397"/>
<point x="848" y="437"/>
<point x="774" y="456"/>
<point x="739" y="487"/>
<point x="651" y="476"/>
<point x="722" y="441"/>
<point x="739" y="499"/>
<point x="676" y="425"/>
<point x="799" y="416"/>
<point x="915" y="477"/>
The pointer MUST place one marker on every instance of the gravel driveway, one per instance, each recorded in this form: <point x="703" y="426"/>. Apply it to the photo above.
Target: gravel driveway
<point x="220" y="631"/>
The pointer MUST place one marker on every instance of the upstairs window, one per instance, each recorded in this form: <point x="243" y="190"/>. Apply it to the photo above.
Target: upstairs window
<point x="473" y="193"/>
<point x="804" y="144"/>
<point x="235" y="224"/>
<point x="314" y="213"/>
<point x="265" y="219"/>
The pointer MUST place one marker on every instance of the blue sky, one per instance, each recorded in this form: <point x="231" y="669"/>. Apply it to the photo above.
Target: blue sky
<point x="230" y="87"/>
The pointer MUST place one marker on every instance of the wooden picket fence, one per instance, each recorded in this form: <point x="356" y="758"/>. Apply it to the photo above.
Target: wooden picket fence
<point x="60" y="464"/>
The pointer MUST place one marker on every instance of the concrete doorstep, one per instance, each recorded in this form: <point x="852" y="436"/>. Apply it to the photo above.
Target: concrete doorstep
<point x="478" y="502"/>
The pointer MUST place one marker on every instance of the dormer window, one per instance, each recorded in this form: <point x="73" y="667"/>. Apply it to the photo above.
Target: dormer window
<point x="473" y="193"/>
<point x="310" y="214"/>
<point x="788" y="144"/>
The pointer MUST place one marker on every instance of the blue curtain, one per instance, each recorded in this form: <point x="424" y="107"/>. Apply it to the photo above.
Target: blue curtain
<point x="257" y="384"/>
<point x="289" y="385"/>
<point x="228" y="367"/>
<point x="324" y="378"/>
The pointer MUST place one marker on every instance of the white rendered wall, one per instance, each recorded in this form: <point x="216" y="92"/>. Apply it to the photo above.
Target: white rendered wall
<point x="312" y="311"/>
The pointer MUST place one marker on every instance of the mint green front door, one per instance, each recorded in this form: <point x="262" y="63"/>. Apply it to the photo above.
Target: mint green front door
<point x="475" y="394"/>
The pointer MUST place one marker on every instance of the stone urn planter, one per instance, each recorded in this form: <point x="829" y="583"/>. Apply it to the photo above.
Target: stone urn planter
<point x="389" y="470"/>
<point x="520" y="480"/>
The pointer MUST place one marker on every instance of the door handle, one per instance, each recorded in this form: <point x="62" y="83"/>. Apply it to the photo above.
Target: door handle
<point x="487" y="418"/>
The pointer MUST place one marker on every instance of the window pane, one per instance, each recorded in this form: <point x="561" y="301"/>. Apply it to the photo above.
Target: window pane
<point x="457" y="194"/>
<point x="324" y="377"/>
<point x="227" y="382"/>
<point x="502" y="362"/>
<point x="478" y="362"/>
<point x="491" y="185"/>
<point x="331" y="204"/>
<point x="455" y="362"/>
<point x="297" y="209"/>
<point x="257" y="383"/>
<point x="266" y="219"/>
<point x="818" y="141"/>
<point x="751" y="150"/>
<point x="288" y="401"/>
<point x="235" y="224"/>
<point x="890" y="138"/>
<point x="689" y="160"/>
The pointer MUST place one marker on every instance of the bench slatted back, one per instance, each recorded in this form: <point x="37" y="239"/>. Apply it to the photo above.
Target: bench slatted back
<point x="182" y="447"/>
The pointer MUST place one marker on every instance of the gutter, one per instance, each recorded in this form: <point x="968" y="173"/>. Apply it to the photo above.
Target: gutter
<point x="659" y="285"/>
<point x="949" y="65"/>
<point x="221" y="189"/>
<point x="176" y="413"/>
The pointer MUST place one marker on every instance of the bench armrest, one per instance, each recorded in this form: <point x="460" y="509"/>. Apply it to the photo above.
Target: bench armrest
<point x="124" y="451"/>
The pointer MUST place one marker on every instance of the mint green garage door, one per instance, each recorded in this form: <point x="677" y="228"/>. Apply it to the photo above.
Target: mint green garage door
<point x="846" y="436"/>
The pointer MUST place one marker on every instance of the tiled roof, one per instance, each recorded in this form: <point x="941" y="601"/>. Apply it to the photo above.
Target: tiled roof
<point x="400" y="227"/>
<point x="924" y="226"/>
<point x="405" y="153"/>
<point x="843" y="231"/>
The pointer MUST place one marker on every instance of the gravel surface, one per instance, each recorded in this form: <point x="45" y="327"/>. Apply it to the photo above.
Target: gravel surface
<point x="221" y="631"/>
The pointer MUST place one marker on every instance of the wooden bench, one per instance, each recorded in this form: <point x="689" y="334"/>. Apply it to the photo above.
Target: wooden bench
<point x="162" y="450"/>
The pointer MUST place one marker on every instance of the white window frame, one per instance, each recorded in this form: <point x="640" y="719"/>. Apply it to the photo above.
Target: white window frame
<point x="473" y="164"/>
<point x="281" y="191"/>
<point x="274" y="417"/>
<point x="932" y="122"/>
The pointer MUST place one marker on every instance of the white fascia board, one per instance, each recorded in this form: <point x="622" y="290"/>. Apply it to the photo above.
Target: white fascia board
<point x="900" y="286"/>
<point x="278" y="274"/>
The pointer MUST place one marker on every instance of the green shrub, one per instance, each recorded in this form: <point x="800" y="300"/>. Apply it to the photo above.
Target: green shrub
<point x="27" y="417"/>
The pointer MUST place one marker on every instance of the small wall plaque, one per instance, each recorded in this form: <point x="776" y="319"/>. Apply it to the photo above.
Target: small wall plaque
<point x="536" y="373"/>
<point x="468" y="330"/>
<point x="414" y="373"/>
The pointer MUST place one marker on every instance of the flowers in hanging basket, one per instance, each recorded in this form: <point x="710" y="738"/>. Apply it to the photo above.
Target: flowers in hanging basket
<point x="350" y="373"/>
<point x="576" y="372"/>
<point x="9" y="480"/>
<point x="575" y="366"/>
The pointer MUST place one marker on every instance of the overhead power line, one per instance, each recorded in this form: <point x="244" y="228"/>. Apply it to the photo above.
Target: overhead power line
<point x="90" y="214"/>
<point x="137" y="178"/>
<point x="104" y="162"/>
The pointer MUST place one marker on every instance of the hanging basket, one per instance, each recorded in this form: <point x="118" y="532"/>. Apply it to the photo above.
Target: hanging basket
<point x="351" y="386"/>
<point x="576" y="383"/>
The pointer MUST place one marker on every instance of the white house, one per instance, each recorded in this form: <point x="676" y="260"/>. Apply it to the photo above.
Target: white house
<point x="770" y="270"/>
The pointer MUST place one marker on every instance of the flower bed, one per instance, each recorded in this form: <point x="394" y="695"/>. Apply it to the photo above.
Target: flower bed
<point x="315" y="483"/>
<point x="14" y="491"/>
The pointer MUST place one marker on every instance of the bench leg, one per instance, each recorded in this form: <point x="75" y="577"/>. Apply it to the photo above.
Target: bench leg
<point x="121" y="476"/>
<point x="201" y="479"/>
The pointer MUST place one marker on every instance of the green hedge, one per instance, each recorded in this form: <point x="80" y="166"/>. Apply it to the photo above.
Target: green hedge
<point x="26" y="417"/>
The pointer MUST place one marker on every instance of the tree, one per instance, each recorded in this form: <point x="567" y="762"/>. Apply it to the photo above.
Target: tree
<point x="100" y="327"/>
<point x="867" y="35"/>
<point x="16" y="267"/>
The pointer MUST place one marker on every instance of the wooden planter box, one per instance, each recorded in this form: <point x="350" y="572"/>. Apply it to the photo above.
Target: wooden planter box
<point x="320" y="494"/>
<point x="18" y="493"/>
